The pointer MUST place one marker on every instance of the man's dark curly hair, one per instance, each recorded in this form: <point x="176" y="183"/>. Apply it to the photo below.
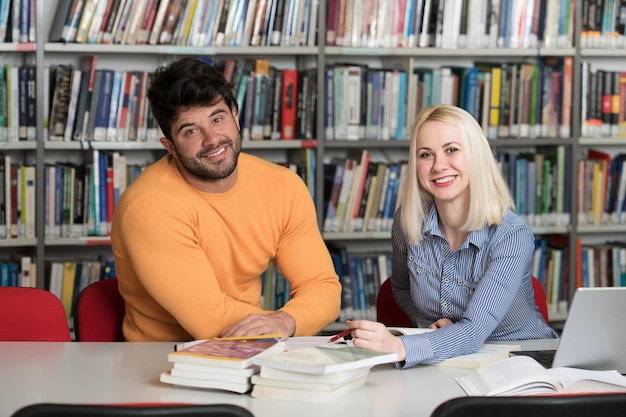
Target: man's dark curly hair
<point x="185" y="84"/>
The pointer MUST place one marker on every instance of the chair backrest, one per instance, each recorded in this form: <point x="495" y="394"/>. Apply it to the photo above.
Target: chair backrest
<point x="100" y="312"/>
<point x="388" y="312"/>
<point x="32" y="314"/>
<point x="603" y="405"/>
<point x="540" y="299"/>
<point x="132" y="410"/>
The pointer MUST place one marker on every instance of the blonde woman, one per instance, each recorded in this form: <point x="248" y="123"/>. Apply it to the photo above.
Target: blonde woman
<point x="462" y="259"/>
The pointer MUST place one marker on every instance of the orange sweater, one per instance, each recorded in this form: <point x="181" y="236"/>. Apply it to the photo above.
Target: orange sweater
<point x="189" y="263"/>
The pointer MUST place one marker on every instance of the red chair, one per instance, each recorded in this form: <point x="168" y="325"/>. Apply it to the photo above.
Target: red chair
<point x="100" y="312"/>
<point x="540" y="299"/>
<point x="32" y="315"/>
<point x="388" y="312"/>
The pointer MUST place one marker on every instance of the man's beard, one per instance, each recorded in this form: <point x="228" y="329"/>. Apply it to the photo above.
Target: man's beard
<point x="222" y="170"/>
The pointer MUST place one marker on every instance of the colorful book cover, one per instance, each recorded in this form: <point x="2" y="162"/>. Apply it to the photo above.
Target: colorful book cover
<point x="231" y="352"/>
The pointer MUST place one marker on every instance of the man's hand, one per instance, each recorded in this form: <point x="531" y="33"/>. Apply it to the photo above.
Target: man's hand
<point x="260" y="324"/>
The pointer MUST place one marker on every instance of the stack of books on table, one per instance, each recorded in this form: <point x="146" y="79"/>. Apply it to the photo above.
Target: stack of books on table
<point x="315" y="373"/>
<point x="220" y="363"/>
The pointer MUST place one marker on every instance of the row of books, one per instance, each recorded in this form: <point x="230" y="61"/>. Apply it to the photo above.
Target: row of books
<point x="190" y="23"/>
<point x="602" y="188"/>
<point x="603" y="109"/>
<point x="603" y="24"/>
<point x="538" y="184"/>
<point x="368" y="103"/>
<point x="18" y="101"/>
<point x="66" y="279"/>
<point x="361" y="195"/>
<point x="603" y="265"/>
<point x="596" y="265"/>
<point x="17" y="21"/>
<point x="80" y="198"/>
<point x="550" y="267"/>
<point x="510" y="100"/>
<point x="361" y="275"/>
<point x="17" y="199"/>
<point x="18" y="272"/>
<point x="91" y="103"/>
<point x="450" y="23"/>
<point x="273" y="103"/>
<point x="275" y="290"/>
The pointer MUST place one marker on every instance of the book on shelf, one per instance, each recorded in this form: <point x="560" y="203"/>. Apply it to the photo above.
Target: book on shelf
<point x="84" y="23"/>
<point x="3" y="198"/>
<point x="289" y="103"/>
<point x="113" y="21"/>
<point x="235" y="352"/>
<point x="174" y="21"/>
<point x="93" y="30"/>
<point x="102" y="104"/>
<point x="260" y="101"/>
<point x="157" y="24"/>
<point x="122" y="19"/>
<point x="62" y="76"/>
<point x="523" y="375"/>
<point x="325" y="359"/>
<point x="75" y="91"/>
<point x="68" y="278"/>
<point x="88" y="76"/>
<point x="27" y="185"/>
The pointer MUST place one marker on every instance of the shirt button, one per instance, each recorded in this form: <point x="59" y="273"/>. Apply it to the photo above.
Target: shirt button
<point x="446" y="280"/>
<point x="419" y="270"/>
<point x="411" y="257"/>
<point x="445" y="304"/>
<point x="460" y="283"/>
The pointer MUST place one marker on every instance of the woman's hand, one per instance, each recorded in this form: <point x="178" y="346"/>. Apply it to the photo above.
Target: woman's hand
<point x="375" y="336"/>
<point x="440" y="323"/>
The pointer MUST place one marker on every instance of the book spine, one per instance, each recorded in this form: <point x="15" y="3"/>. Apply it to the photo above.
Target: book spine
<point x="101" y="115"/>
<point x="289" y="104"/>
<point x="155" y="33"/>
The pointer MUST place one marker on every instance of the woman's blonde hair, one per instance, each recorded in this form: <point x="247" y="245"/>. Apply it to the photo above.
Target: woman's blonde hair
<point x="489" y="193"/>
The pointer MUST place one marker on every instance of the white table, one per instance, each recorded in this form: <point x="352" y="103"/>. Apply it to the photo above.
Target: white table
<point x="74" y="372"/>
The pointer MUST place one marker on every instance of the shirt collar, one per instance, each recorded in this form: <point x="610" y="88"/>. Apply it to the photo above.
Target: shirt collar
<point x="431" y="227"/>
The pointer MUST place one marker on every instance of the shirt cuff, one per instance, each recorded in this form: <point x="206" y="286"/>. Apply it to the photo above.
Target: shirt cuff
<point x="418" y="350"/>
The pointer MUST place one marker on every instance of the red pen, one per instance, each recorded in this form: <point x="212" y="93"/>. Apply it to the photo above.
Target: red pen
<point x="340" y="335"/>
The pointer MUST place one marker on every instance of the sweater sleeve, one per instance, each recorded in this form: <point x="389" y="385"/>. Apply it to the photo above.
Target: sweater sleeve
<point x="305" y="261"/>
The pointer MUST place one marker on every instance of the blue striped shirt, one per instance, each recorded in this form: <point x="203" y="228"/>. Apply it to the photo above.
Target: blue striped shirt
<point x="484" y="288"/>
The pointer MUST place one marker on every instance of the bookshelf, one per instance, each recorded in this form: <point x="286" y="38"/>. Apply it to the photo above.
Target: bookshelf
<point x="43" y="53"/>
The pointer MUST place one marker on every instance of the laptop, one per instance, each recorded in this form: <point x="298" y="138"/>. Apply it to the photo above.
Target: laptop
<point x="594" y="334"/>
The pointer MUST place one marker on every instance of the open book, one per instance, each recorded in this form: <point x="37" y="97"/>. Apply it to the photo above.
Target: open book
<point x="522" y="375"/>
<point x="488" y="352"/>
<point x="325" y="359"/>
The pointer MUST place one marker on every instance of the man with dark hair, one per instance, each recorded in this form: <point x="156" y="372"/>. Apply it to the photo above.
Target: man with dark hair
<point x="194" y="232"/>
